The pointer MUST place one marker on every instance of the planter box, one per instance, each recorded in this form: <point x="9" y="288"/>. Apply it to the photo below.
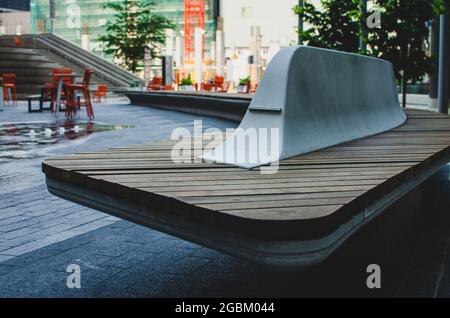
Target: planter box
<point x="187" y="88"/>
<point x="243" y="89"/>
<point x="135" y="89"/>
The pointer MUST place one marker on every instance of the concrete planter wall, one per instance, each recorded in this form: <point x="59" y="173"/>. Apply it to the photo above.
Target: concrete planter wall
<point x="187" y="88"/>
<point x="1" y="94"/>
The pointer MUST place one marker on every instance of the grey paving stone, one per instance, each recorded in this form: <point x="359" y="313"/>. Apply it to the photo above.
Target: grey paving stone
<point x="117" y="248"/>
<point x="20" y="274"/>
<point x="186" y="266"/>
<point x="129" y="259"/>
<point x="48" y="280"/>
<point x="5" y="269"/>
<point x="8" y="293"/>
<point x="30" y="258"/>
<point x="91" y="281"/>
<point x="88" y="227"/>
<point x="13" y="219"/>
<point x="3" y="247"/>
<point x="18" y="233"/>
<point x="7" y="214"/>
<point x="4" y="258"/>
<point x="158" y="245"/>
<point x="18" y="225"/>
<point x="156" y="285"/>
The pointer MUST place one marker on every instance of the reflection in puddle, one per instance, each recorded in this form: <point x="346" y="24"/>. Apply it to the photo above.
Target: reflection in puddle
<point x="20" y="140"/>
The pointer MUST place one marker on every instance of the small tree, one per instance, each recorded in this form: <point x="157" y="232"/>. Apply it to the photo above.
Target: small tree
<point x="134" y="28"/>
<point x="335" y="26"/>
<point x="403" y="37"/>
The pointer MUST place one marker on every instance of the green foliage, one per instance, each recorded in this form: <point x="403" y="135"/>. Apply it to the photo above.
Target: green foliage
<point x="244" y="81"/>
<point x="135" y="27"/>
<point x="135" y="84"/>
<point x="187" y="81"/>
<point x="402" y="38"/>
<point x="336" y="26"/>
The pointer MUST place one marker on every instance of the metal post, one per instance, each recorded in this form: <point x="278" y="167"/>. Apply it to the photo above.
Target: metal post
<point x="198" y="56"/>
<point x="433" y="83"/>
<point x="1" y="93"/>
<point x="363" y="13"/>
<point x="300" y="23"/>
<point x="52" y="14"/>
<point x="443" y="82"/>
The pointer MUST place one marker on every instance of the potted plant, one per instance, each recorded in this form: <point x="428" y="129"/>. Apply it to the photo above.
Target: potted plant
<point x="187" y="84"/>
<point x="135" y="87"/>
<point x="244" y="85"/>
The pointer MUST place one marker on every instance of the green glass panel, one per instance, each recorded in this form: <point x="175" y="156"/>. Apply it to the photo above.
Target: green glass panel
<point x="77" y="17"/>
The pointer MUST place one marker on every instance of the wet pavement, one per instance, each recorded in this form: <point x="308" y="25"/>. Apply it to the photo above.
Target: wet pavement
<point x="27" y="140"/>
<point x="41" y="235"/>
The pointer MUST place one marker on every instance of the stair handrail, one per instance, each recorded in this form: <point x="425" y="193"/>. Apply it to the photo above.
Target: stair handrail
<point x="102" y="67"/>
<point x="90" y="54"/>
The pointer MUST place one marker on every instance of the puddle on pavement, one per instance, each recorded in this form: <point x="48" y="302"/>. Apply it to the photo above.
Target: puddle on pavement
<point x="24" y="140"/>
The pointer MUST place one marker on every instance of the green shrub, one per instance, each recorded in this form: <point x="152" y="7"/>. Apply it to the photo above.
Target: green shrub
<point x="244" y="81"/>
<point x="187" y="81"/>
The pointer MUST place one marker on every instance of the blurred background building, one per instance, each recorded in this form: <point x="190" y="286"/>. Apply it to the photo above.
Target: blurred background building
<point x="78" y="19"/>
<point x="14" y="17"/>
<point x="83" y="21"/>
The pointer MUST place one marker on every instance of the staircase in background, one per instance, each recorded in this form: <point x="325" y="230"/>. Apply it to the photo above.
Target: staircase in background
<point x="37" y="55"/>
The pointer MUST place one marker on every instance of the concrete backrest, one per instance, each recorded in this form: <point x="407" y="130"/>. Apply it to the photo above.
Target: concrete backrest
<point x="316" y="98"/>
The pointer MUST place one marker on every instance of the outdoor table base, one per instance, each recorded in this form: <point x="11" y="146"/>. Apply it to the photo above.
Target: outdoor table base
<point x="30" y="100"/>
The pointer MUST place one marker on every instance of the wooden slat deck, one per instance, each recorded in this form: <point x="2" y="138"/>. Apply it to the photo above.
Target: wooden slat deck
<point x="311" y="198"/>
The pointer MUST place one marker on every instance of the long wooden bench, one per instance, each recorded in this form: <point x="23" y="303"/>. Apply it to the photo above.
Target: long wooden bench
<point x="291" y="219"/>
<point x="347" y="152"/>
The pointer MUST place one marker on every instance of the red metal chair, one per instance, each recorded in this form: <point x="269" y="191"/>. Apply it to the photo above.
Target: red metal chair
<point x="49" y="91"/>
<point x="102" y="89"/>
<point x="155" y="84"/>
<point x="9" y="88"/>
<point x="73" y="103"/>
<point x="17" y="41"/>
<point x="219" y="84"/>
<point x="253" y="88"/>
<point x="206" y="87"/>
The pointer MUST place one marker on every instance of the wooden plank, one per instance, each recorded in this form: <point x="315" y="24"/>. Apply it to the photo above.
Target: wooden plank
<point x="335" y="180"/>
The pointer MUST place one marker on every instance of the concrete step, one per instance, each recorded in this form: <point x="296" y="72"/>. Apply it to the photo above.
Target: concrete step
<point x="12" y="56"/>
<point x="33" y="63"/>
<point x="29" y="64"/>
<point x="5" y="49"/>
<point x="39" y="72"/>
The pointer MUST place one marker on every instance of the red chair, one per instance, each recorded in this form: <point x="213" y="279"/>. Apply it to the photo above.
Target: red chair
<point x="219" y="84"/>
<point x="102" y="89"/>
<point x="48" y="93"/>
<point x="207" y="87"/>
<point x="253" y="88"/>
<point x="155" y="84"/>
<point x="9" y="88"/>
<point x="17" y="41"/>
<point x="73" y="103"/>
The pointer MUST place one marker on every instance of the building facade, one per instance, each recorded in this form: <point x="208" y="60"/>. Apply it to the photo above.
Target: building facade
<point x="83" y="21"/>
<point x="14" y="5"/>
<point x="14" y="17"/>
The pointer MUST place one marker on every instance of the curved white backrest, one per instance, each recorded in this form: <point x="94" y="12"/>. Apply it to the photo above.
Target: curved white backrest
<point x="316" y="98"/>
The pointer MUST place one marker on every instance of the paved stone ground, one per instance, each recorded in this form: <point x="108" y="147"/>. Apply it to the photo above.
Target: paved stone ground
<point x="40" y="235"/>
